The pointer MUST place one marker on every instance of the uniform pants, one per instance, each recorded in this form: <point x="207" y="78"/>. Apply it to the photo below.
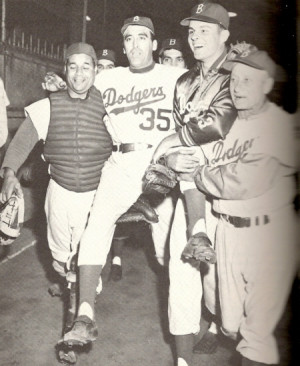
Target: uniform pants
<point x="67" y="214"/>
<point x="256" y="268"/>
<point x="120" y="186"/>
<point x="185" y="292"/>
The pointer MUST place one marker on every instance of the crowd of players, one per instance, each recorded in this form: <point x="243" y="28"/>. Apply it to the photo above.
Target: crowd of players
<point x="232" y="151"/>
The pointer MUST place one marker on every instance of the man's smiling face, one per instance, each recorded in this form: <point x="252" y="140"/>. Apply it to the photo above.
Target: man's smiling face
<point x="80" y="74"/>
<point x="205" y="39"/>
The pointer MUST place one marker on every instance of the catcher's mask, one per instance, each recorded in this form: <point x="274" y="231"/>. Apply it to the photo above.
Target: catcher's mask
<point x="11" y="219"/>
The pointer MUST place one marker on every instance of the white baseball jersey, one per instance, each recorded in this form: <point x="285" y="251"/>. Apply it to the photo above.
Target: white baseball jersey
<point x="257" y="185"/>
<point x="139" y="108"/>
<point x="251" y="174"/>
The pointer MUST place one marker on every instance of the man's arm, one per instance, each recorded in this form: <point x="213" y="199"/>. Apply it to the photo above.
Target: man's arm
<point x="250" y="177"/>
<point x="23" y="142"/>
<point x="213" y="123"/>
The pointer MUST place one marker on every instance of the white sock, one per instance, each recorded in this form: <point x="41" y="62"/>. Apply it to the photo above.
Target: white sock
<point x="99" y="287"/>
<point x="86" y="309"/>
<point x="116" y="260"/>
<point x="181" y="362"/>
<point x="213" y="328"/>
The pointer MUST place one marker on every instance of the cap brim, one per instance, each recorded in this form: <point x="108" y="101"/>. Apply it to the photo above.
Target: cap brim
<point x="201" y="18"/>
<point x="125" y="26"/>
<point x="169" y="48"/>
<point x="228" y="65"/>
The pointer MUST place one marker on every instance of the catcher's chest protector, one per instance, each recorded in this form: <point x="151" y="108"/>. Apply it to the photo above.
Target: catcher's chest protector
<point x="77" y="144"/>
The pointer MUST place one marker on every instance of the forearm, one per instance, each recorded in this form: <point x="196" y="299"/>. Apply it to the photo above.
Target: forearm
<point x="23" y="142"/>
<point x="195" y="206"/>
<point x="251" y="177"/>
<point x="212" y="123"/>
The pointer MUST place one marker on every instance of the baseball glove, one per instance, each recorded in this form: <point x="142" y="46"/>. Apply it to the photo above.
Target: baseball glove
<point x="159" y="179"/>
<point x="141" y="210"/>
<point x="199" y="248"/>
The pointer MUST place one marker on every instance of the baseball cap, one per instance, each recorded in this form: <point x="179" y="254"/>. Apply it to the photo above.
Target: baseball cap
<point x="257" y="59"/>
<point x="106" y="54"/>
<point x="210" y="13"/>
<point x="171" y="43"/>
<point x="81" y="47"/>
<point x="137" y="20"/>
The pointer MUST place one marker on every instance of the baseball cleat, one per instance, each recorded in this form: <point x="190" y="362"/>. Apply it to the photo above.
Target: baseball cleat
<point x="84" y="331"/>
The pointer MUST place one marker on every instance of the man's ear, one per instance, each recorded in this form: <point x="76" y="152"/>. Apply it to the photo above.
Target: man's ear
<point x="224" y="35"/>
<point x="154" y="45"/>
<point x="268" y="85"/>
<point x="65" y="69"/>
<point x="124" y="51"/>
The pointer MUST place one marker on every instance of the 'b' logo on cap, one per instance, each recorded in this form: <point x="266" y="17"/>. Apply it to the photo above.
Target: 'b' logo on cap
<point x="136" y="19"/>
<point x="200" y="8"/>
<point x="245" y="53"/>
<point x="172" y="42"/>
<point x="104" y="53"/>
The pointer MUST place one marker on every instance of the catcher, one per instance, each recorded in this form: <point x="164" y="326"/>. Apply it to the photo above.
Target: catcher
<point x="72" y="186"/>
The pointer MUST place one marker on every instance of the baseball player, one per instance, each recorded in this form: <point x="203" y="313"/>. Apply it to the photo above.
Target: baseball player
<point x="204" y="112"/>
<point x="250" y="177"/>
<point x="171" y="53"/>
<point x="76" y="145"/>
<point x="106" y="60"/>
<point x="138" y="100"/>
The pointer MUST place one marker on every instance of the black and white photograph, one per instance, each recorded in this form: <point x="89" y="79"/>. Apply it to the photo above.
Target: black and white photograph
<point x="150" y="183"/>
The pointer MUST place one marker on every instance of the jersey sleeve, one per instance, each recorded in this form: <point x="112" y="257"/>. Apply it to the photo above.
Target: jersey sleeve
<point x="21" y="145"/>
<point x="39" y="113"/>
<point x="250" y="177"/>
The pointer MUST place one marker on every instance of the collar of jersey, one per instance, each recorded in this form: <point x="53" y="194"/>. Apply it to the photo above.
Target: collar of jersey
<point x="217" y="64"/>
<point x="143" y="70"/>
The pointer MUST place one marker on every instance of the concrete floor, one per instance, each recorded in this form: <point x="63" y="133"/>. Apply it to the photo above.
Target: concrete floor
<point x="131" y="314"/>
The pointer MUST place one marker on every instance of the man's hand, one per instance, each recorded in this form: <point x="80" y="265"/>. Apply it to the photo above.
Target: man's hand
<point x="53" y="82"/>
<point x="182" y="160"/>
<point x="10" y="185"/>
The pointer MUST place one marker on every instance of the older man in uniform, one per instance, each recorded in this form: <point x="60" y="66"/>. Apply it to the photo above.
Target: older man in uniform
<point x="250" y="176"/>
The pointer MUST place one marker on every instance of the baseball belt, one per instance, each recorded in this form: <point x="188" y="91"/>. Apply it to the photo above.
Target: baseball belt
<point x="124" y="148"/>
<point x="241" y="222"/>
